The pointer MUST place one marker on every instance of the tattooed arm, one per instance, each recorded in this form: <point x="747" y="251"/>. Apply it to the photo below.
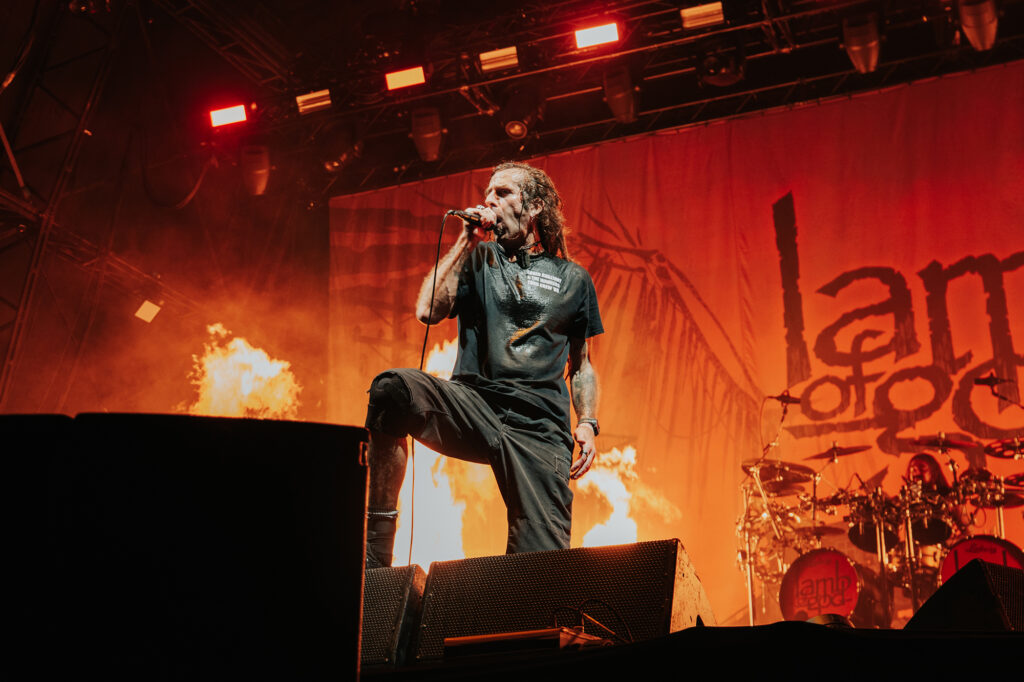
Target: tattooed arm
<point x="585" y="393"/>
<point x="447" y="279"/>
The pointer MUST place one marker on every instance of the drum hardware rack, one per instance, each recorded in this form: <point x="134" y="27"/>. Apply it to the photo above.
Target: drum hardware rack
<point x="919" y="536"/>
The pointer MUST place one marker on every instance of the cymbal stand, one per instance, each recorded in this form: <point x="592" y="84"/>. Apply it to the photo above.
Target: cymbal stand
<point x="911" y="556"/>
<point x="748" y="555"/>
<point x="883" y="555"/>
<point x="1000" y="523"/>
<point x="814" y="487"/>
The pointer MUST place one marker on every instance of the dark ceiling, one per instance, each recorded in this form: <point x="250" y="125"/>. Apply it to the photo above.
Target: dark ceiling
<point x="788" y="52"/>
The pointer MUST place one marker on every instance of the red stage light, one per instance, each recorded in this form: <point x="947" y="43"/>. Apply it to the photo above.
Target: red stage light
<point x="403" y="79"/>
<point x="222" y="117"/>
<point x="597" y="35"/>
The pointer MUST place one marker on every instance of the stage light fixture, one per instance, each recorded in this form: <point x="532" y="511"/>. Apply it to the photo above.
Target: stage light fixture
<point x="227" y="116"/>
<point x="313" y="101"/>
<point x="339" y="147"/>
<point x="861" y="41"/>
<point x="405" y="78"/>
<point x="496" y="60"/>
<point x="979" y="21"/>
<point x="699" y="16"/>
<point x="620" y="94"/>
<point x="147" y="311"/>
<point x="427" y="132"/>
<point x="254" y="160"/>
<point x="597" y="35"/>
<point x="522" y="110"/>
<point x="722" y="66"/>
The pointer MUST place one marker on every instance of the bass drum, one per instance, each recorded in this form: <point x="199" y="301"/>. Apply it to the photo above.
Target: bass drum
<point x="826" y="581"/>
<point x="985" y="547"/>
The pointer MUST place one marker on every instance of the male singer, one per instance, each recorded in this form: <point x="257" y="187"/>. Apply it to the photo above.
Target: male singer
<point x="525" y="313"/>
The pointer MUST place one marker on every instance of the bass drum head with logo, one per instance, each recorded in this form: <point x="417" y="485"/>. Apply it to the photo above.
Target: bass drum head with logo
<point x="826" y="581"/>
<point x="985" y="547"/>
<point x="820" y="582"/>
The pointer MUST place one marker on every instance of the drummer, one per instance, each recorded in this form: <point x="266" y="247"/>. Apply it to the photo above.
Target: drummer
<point x="926" y="469"/>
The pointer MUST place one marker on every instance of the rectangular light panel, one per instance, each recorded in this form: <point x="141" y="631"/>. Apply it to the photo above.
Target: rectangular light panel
<point x="222" y="117"/>
<point x="313" y="101"/>
<point x="709" y="14"/>
<point x="147" y="311"/>
<point x="597" y="35"/>
<point x="505" y="58"/>
<point x="403" y="79"/>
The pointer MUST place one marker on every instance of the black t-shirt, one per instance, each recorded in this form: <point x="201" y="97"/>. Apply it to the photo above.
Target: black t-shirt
<point x="515" y="323"/>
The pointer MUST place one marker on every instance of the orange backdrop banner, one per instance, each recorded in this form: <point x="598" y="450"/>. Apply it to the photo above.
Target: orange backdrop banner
<point x="866" y="255"/>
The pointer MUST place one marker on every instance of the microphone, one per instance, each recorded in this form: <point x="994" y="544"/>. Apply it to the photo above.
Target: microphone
<point x="785" y="398"/>
<point x="991" y="381"/>
<point x="472" y="219"/>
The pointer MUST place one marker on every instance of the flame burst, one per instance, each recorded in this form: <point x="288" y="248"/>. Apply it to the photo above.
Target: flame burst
<point x="236" y="380"/>
<point x="608" y="477"/>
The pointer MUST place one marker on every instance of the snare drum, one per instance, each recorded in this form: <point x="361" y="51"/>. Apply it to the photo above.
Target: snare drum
<point x="985" y="547"/>
<point x="825" y="581"/>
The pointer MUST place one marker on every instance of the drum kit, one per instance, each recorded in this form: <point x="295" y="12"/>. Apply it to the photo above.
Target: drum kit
<point x="918" y="537"/>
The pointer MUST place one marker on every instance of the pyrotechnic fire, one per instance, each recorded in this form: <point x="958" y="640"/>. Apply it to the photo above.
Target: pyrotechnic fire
<point x="608" y="476"/>
<point x="236" y="380"/>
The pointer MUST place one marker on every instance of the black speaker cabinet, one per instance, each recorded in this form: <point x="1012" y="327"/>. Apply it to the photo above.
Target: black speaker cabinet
<point x="206" y="548"/>
<point x="639" y="591"/>
<point x="980" y="596"/>
<point x="392" y="598"/>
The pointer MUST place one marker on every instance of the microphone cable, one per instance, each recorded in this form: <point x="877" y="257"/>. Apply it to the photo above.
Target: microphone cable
<point x="423" y="357"/>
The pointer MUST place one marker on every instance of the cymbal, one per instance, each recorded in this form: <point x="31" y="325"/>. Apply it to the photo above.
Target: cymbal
<point x="1011" y="448"/>
<point x="778" y="488"/>
<point x="839" y="451"/>
<point x="1016" y="480"/>
<point x="940" y="442"/>
<point x="820" y="531"/>
<point x="777" y="471"/>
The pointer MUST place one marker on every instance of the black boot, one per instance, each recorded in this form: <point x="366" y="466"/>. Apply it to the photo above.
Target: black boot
<point x="380" y="537"/>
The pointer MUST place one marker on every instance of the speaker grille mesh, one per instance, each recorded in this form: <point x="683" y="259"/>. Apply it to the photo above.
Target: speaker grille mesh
<point x="391" y="600"/>
<point x="630" y="589"/>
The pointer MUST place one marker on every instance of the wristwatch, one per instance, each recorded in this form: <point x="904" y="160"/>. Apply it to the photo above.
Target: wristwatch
<point x="593" y="423"/>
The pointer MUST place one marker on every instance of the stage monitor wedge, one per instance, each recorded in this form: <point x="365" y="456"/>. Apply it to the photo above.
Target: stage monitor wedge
<point x="639" y="591"/>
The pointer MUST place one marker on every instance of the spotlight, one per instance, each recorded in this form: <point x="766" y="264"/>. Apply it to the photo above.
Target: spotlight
<point x="699" y="16"/>
<point x="522" y="109"/>
<point x="620" y="94"/>
<point x="427" y="132"/>
<point x="339" y="147"/>
<point x="861" y="41"/>
<point x="721" y="67"/>
<point x="148" y="310"/>
<point x="405" y="78"/>
<point x="313" y="101"/>
<point x="979" y="22"/>
<point x="223" y="117"/>
<point x="496" y="60"/>
<point x="255" y="164"/>
<point x="597" y="35"/>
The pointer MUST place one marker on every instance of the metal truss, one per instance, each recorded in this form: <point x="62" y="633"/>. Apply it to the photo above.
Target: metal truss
<point x="243" y="41"/>
<point x="672" y="95"/>
<point x="46" y="141"/>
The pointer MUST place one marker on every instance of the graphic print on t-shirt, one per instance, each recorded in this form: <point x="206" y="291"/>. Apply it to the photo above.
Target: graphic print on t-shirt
<point x="541" y="280"/>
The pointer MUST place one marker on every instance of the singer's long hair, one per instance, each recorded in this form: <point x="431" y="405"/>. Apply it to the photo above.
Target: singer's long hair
<point x="537" y="186"/>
